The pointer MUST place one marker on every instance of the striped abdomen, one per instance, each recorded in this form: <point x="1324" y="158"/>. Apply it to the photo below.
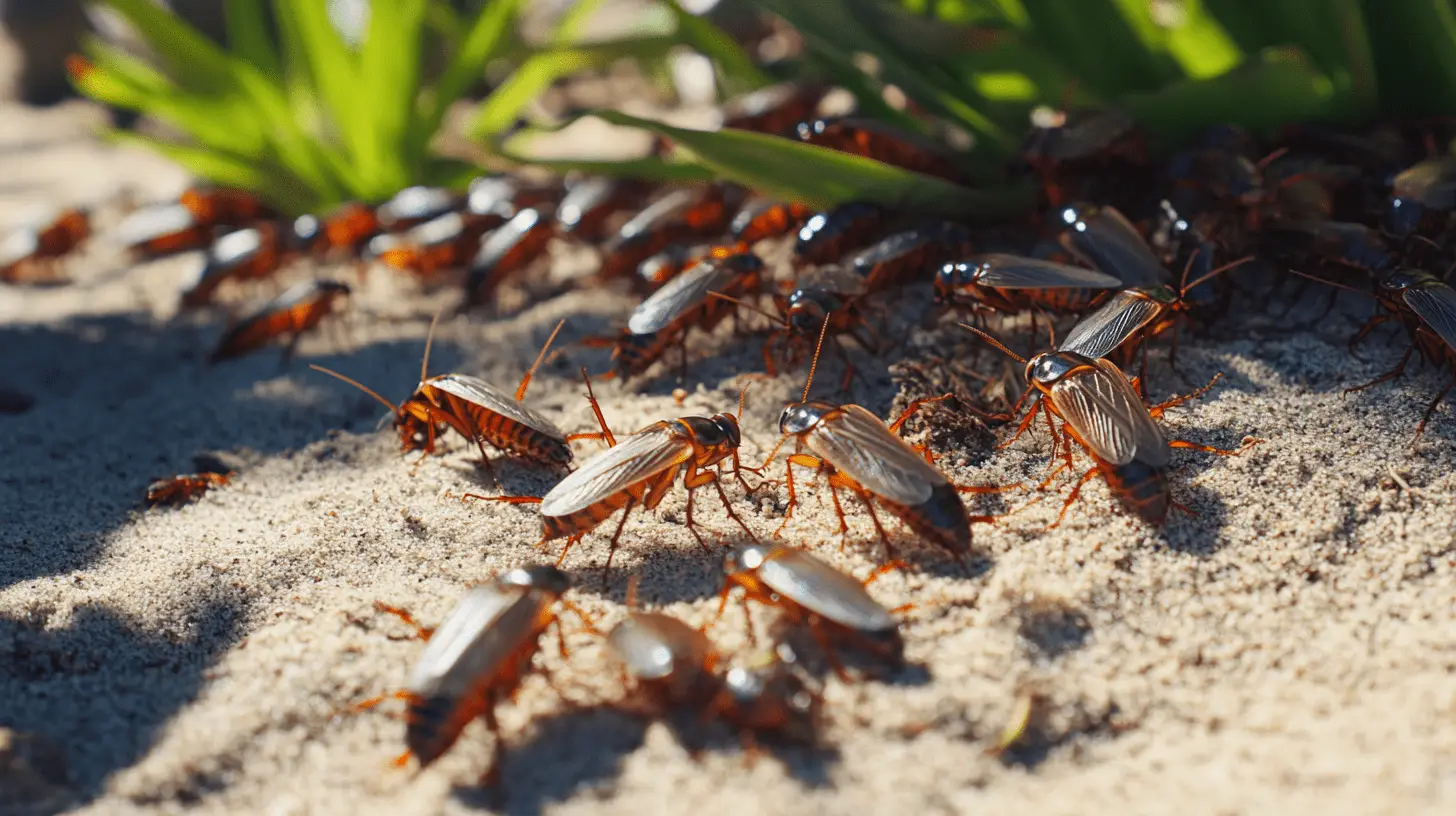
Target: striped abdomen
<point x="585" y="520"/>
<point x="1142" y="489"/>
<point x="433" y="724"/>
<point x="476" y="421"/>
<point x="941" y="519"/>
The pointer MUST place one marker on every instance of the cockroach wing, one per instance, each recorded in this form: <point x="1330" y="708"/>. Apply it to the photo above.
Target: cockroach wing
<point x="831" y="278"/>
<point x="824" y="590"/>
<point x="1435" y="303"/>
<point x="1110" y="416"/>
<point x="236" y="246"/>
<point x="1017" y="272"/>
<point x="1108" y="241"/>
<point x="479" y="392"/>
<point x="655" y="647"/>
<point x="1099" y="333"/>
<point x="19" y="245"/>
<point x="678" y="295"/>
<point x="154" y="222"/>
<point x="658" y="212"/>
<point x="1431" y="182"/>
<point x="859" y="445"/>
<point x="490" y="624"/>
<point x="644" y="454"/>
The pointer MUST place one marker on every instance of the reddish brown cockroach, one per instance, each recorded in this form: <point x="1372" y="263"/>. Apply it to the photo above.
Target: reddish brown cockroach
<point x="413" y="206"/>
<point x="590" y="202"/>
<point x="775" y="109"/>
<point x="184" y="488"/>
<point x="908" y="256"/>
<point x="345" y="229"/>
<point x="1102" y="412"/>
<point x="291" y="313"/>
<point x="510" y="248"/>
<point x="1426" y="307"/>
<point x="223" y="206"/>
<point x="1104" y="238"/>
<point x="639" y="471"/>
<point x="834" y="607"/>
<point x="477" y="410"/>
<point x="1012" y="284"/>
<point x="162" y="230"/>
<point x="445" y="242"/>
<point x="251" y="253"/>
<point x="827" y="236"/>
<point x="762" y="220"/>
<point x="679" y="217"/>
<point x="41" y="245"/>
<point x="477" y="659"/>
<point x="883" y="143"/>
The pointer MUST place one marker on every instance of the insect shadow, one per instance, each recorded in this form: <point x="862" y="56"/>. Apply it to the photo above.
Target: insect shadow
<point x="1197" y="530"/>
<point x="678" y="573"/>
<point x="62" y="683"/>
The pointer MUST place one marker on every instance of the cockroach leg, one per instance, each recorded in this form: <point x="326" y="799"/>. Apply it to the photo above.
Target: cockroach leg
<point x="612" y="545"/>
<point x="915" y="406"/>
<point x="422" y="632"/>
<point x="1183" y="443"/>
<point x="1072" y="497"/>
<point x="1431" y="409"/>
<point x="1365" y="330"/>
<point x="802" y="460"/>
<point x="1156" y="411"/>
<point x="1389" y="375"/>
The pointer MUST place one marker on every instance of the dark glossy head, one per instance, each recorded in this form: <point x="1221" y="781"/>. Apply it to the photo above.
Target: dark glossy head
<point x="1398" y="280"/>
<point x="954" y="277"/>
<point x="746" y="558"/>
<point x="1045" y="369"/>
<point x="304" y="233"/>
<point x="806" y="309"/>
<point x="801" y="417"/>
<point x="543" y="578"/>
<point x="727" y="425"/>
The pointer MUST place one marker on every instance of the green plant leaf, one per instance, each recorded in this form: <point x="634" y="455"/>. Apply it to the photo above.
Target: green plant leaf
<point x="389" y="78"/>
<point x="736" y="66"/>
<point x="251" y="39"/>
<point x="1414" y="54"/>
<point x="487" y="37"/>
<point x="503" y="107"/>
<point x="646" y="168"/>
<point x="795" y="171"/>
<point x="286" y="192"/>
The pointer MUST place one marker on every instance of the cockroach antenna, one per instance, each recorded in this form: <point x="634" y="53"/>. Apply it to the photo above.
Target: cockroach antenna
<point x="994" y="342"/>
<point x="526" y="380"/>
<point x="814" y="364"/>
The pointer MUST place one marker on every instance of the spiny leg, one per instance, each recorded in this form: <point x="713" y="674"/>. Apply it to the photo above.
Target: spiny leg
<point x="1431" y="409"/>
<point x="802" y="460"/>
<point x="612" y="545"/>
<point x="692" y="481"/>
<point x="1157" y="410"/>
<point x="1071" y="497"/>
<point x="723" y="497"/>
<point x="421" y="631"/>
<point x="1389" y="375"/>
<point x="1185" y="444"/>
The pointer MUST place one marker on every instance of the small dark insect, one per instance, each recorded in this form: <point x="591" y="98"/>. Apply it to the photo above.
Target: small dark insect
<point x="291" y="313"/>
<point x="767" y="695"/>
<point x="162" y="230"/>
<point x="1013" y="283"/>
<point x="1419" y="193"/>
<point x="251" y="253"/>
<point x="834" y="607"/>
<point x="477" y="659"/>
<point x="184" y="488"/>
<point x="1071" y="136"/>
<point x="679" y="217"/>
<point x="1426" y="307"/>
<point x="909" y="256"/>
<point x="590" y="202"/>
<point x="684" y="302"/>
<point x="30" y="248"/>
<point x="415" y="205"/>
<point x="445" y="242"/>
<point x="828" y="236"/>
<point x="1343" y="243"/>
<point x="859" y="453"/>
<point x="775" y="109"/>
<point x="223" y="206"/>
<point x="1104" y="238"/>
<point x="762" y="220"/>
<point x="639" y="471"/>
<point x="1102" y="412"/>
<point x="477" y="410"/>
<point x="883" y="143"/>
<point x="510" y="248"/>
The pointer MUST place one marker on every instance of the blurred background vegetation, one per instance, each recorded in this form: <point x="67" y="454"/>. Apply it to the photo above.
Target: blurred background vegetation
<point x="312" y="102"/>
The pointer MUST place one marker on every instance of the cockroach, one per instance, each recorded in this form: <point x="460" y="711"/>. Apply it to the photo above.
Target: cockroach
<point x="775" y="109"/>
<point x="162" y="230"/>
<point x="1426" y="307"/>
<point x="589" y="203"/>
<point x="829" y="235"/>
<point x="678" y="217"/>
<point x="883" y="143"/>
<point x="908" y="256"/>
<point x="664" y="318"/>
<point x="1013" y="283"/>
<point x="671" y="663"/>
<point x="1104" y="238"/>
<point x="477" y="659"/>
<point x="42" y="244"/>
<point x="639" y="471"/>
<point x="292" y="313"/>
<point x="415" y="205"/>
<point x="859" y="453"/>
<point x="1071" y="136"/>
<point x="251" y="253"/>
<point x="669" y="263"/>
<point x="1103" y="413"/>
<point x="834" y="607"/>
<point x="1421" y="193"/>
<point x="184" y="488"/>
<point x="223" y="206"/>
<point x="477" y="410"/>
<point x="766" y="695"/>
<point x="510" y="248"/>
<point x="344" y="230"/>
<point x="445" y="242"/>
<point x="762" y="220"/>
<point x="1344" y="243"/>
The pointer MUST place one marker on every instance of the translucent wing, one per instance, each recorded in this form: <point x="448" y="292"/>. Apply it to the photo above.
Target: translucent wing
<point x="1105" y="239"/>
<point x="1436" y="304"/>
<point x="640" y="456"/>
<point x="489" y="625"/>
<point x="1017" y="272"/>
<point x="1099" y="333"/>
<point x="1109" y="416"/>
<point x="824" y="590"/>
<point x="1431" y="182"/>
<point x="479" y="392"/>
<point x="18" y="246"/>
<point x="153" y="222"/>
<point x="858" y="444"/>
<point x="831" y="278"/>
<point x="678" y="295"/>
<point x="655" y="647"/>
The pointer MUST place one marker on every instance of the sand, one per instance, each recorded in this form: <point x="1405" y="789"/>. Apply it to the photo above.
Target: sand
<point x="1290" y="646"/>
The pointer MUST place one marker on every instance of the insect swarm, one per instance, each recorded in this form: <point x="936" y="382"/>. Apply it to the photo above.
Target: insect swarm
<point x="291" y="313"/>
<point x="476" y="659"/>
<point x="639" y="471"/>
<point x="477" y="410"/>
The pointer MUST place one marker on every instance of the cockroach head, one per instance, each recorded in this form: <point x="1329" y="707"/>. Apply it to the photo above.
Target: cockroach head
<point x="544" y="578"/>
<point x="745" y="559"/>
<point x="1399" y="280"/>
<point x="1048" y="367"/>
<point x="728" y="424"/>
<point x="799" y="417"/>
<point x="805" y="310"/>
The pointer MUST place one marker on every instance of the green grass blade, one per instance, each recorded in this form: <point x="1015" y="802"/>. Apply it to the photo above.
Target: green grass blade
<point x="488" y="35"/>
<point x="389" y="73"/>
<point x="276" y="185"/>
<point x="1414" y="54"/>
<point x="737" y="67"/>
<point x="193" y="60"/>
<point x="330" y="66"/>
<point x="251" y="39"/>
<point x="1101" y="44"/>
<point x="817" y="176"/>
<point x="1199" y="43"/>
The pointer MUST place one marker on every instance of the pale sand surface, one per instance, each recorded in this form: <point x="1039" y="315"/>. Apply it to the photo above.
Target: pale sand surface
<point x="1288" y="649"/>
